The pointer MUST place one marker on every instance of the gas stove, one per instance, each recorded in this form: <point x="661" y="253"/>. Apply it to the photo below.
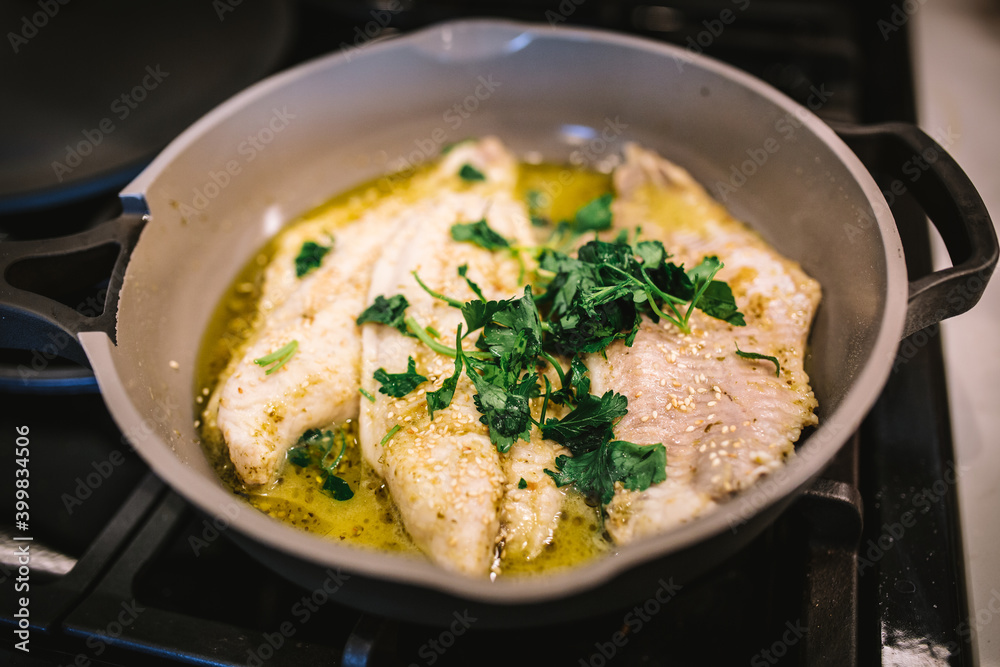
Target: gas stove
<point x="865" y="568"/>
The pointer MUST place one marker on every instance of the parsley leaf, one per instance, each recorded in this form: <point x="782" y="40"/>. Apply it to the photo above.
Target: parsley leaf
<point x="313" y="449"/>
<point x="758" y="355"/>
<point x="589" y="424"/>
<point x="310" y="257"/>
<point x="470" y="174"/>
<point x="391" y="311"/>
<point x="441" y="399"/>
<point x="506" y="413"/>
<point x="595" y="215"/>
<point x="278" y="358"/>
<point x="522" y="484"/>
<point x="480" y="233"/>
<point x="595" y="472"/>
<point x="399" y="385"/>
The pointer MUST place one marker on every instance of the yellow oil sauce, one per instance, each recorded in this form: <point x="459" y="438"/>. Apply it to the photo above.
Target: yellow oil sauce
<point x="370" y="519"/>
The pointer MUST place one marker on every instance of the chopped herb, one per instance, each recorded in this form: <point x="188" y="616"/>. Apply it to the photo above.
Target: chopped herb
<point x="391" y="311"/>
<point x="278" y="358"/>
<point x="480" y="233"/>
<point x="367" y="394"/>
<point x="595" y="472"/>
<point x="388" y="436"/>
<point x="462" y="270"/>
<point x="337" y="488"/>
<point x="432" y="331"/>
<point x="399" y="385"/>
<point x="594" y="216"/>
<point x="470" y="174"/>
<point x="522" y="484"/>
<point x="757" y="355"/>
<point x="310" y="256"/>
<point x="589" y="424"/>
<point x="313" y="449"/>
<point x="441" y="399"/>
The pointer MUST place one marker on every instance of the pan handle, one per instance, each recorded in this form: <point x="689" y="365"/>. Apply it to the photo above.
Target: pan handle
<point x="917" y="164"/>
<point x="31" y="270"/>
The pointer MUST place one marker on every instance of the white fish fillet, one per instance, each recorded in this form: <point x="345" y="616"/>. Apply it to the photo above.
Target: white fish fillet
<point x="724" y="420"/>
<point x="445" y="475"/>
<point x="260" y="415"/>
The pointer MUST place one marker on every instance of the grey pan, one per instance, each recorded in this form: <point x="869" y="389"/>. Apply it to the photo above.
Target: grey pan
<point x="229" y="182"/>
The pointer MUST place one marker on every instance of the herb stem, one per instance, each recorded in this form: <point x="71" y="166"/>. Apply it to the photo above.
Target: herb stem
<point x="555" y="364"/>
<point x="440" y="348"/>
<point x="454" y="303"/>
<point x="388" y="436"/>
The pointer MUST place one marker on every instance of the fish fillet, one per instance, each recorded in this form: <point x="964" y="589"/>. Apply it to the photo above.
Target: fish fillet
<point x="445" y="476"/>
<point x="724" y="420"/>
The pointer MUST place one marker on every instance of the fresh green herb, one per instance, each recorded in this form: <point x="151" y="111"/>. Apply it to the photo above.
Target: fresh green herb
<point x="462" y="270"/>
<point x="594" y="216"/>
<point x="758" y="355"/>
<point x="391" y="311"/>
<point x="522" y="484"/>
<point x="310" y="256"/>
<point x="470" y="174"/>
<point x="602" y="294"/>
<point x="432" y="331"/>
<point x="589" y="424"/>
<point x="441" y="399"/>
<point x="388" y="436"/>
<point x="313" y="449"/>
<point x="278" y="358"/>
<point x="367" y="394"/>
<point x="399" y="385"/>
<point x="480" y="233"/>
<point x="595" y="472"/>
<point x="536" y="203"/>
<point x="337" y="488"/>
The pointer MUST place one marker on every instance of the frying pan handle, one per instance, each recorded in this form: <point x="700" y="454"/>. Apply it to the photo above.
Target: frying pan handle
<point x="31" y="270"/>
<point x="913" y="162"/>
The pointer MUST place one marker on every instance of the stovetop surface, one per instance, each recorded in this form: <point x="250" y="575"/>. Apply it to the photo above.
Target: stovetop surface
<point x="137" y="576"/>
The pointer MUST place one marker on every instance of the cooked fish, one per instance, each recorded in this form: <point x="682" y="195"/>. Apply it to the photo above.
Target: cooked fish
<point x="261" y="415"/>
<point x="724" y="420"/>
<point x="444" y="474"/>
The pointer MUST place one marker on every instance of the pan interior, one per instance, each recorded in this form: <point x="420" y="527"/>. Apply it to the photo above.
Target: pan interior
<point x="230" y="182"/>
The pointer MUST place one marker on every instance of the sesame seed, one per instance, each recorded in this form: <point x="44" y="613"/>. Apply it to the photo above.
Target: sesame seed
<point x="716" y="389"/>
<point x="689" y="429"/>
<point x="644" y="419"/>
<point x="173" y="364"/>
<point x="654" y="414"/>
<point x="711" y="403"/>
